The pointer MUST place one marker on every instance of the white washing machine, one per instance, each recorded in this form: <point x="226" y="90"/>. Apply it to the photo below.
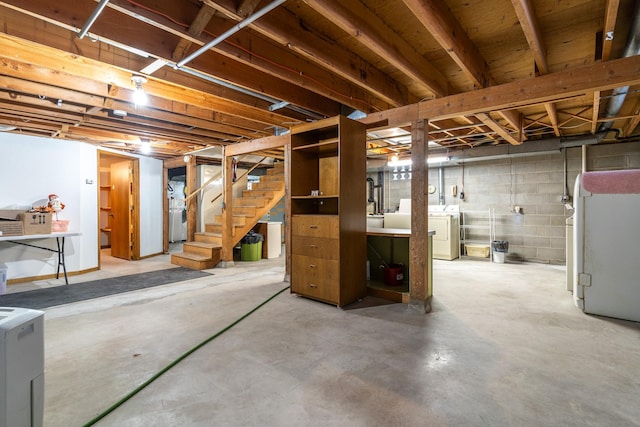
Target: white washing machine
<point x="446" y="241"/>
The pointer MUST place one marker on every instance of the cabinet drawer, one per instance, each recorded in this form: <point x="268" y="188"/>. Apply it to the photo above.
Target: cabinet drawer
<point x="315" y="225"/>
<point x="316" y="278"/>
<point x="319" y="247"/>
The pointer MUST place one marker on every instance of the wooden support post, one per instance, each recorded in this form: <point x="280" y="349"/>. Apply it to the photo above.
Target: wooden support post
<point x="287" y="209"/>
<point x="192" y="204"/>
<point x="420" y="291"/>
<point x="227" y="209"/>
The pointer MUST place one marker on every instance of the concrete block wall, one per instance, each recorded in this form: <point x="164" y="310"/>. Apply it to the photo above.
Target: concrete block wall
<point x="534" y="183"/>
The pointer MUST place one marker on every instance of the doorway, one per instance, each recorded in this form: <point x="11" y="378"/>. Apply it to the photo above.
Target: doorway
<point x="119" y="200"/>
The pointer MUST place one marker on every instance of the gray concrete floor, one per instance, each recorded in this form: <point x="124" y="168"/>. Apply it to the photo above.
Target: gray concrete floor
<point x="503" y="346"/>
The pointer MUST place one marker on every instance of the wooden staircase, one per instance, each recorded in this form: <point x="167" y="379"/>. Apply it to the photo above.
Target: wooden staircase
<point x="205" y="251"/>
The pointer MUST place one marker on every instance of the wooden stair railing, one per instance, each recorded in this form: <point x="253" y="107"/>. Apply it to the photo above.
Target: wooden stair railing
<point x="206" y="249"/>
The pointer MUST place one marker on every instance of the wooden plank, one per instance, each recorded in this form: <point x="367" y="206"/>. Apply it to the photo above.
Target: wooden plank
<point x="62" y="62"/>
<point x="299" y="86"/>
<point x="529" y="23"/>
<point x="438" y="19"/>
<point x="537" y="90"/>
<point x="365" y="26"/>
<point x="493" y="125"/>
<point x="420" y="294"/>
<point x="255" y="145"/>
<point x="227" y="209"/>
<point x="610" y="18"/>
<point x="192" y="204"/>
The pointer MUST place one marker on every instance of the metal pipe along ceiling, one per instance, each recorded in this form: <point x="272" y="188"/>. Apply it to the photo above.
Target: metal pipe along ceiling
<point x="632" y="48"/>
<point x="97" y="11"/>
<point x="240" y="25"/>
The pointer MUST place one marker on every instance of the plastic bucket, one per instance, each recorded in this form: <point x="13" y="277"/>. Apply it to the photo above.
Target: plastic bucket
<point x="393" y="274"/>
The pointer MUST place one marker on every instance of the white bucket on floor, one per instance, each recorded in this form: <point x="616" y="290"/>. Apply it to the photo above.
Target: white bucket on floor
<point x="498" y="257"/>
<point x="3" y="280"/>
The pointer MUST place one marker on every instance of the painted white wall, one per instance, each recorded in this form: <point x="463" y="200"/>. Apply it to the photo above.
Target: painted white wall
<point x="34" y="167"/>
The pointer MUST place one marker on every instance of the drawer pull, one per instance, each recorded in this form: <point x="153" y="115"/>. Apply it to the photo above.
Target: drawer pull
<point x="312" y="266"/>
<point x="311" y="285"/>
<point x="313" y="227"/>
<point x="313" y="246"/>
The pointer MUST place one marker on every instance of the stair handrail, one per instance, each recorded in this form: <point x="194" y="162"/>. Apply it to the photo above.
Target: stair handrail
<point x="248" y="171"/>
<point x="209" y="181"/>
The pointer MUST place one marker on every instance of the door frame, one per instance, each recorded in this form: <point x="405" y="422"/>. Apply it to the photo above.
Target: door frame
<point x="105" y="158"/>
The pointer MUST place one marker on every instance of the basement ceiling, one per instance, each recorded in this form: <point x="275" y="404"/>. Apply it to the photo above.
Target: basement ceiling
<point x="214" y="78"/>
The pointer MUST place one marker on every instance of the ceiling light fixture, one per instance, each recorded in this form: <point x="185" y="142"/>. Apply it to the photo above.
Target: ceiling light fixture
<point x="139" y="96"/>
<point x="145" y="147"/>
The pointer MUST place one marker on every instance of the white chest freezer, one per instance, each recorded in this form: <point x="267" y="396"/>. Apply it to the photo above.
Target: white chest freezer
<point x="21" y="367"/>
<point x="606" y="235"/>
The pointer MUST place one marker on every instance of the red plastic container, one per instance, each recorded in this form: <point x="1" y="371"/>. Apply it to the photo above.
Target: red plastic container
<point x="393" y="274"/>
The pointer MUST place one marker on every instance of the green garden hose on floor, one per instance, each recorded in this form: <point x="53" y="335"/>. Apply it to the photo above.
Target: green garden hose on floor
<point x="178" y="360"/>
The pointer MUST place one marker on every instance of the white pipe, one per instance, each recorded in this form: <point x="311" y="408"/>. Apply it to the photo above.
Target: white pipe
<point x="97" y="11"/>
<point x="240" y="25"/>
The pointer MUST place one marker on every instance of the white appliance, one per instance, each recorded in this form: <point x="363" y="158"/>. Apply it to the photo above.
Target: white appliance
<point x="445" y="221"/>
<point x="21" y="367"/>
<point x="401" y="218"/>
<point x="177" y="211"/>
<point x="606" y="235"/>
<point x="274" y="239"/>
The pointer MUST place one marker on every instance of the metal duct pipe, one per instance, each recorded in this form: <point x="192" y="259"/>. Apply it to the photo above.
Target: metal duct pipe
<point x="97" y="11"/>
<point x="240" y="25"/>
<point x="632" y="48"/>
<point x="370" y="199"/>
<point x="441" y="185"/>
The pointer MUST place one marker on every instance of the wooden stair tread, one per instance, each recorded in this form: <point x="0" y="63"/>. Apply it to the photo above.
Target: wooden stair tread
<point x="205" y="244"/>
<point x="193" y="257"/>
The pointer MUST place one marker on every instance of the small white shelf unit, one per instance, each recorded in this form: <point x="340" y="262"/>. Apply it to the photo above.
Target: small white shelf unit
<point x="477" y="228"/>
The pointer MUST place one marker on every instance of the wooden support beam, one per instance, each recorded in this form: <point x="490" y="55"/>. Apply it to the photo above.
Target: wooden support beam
<point x="56" y="63"/>
<point x="227" y="208"/>
<point x="364" y="25"/>
<point x="562" y="85"/>
<point x="256" y="145"/>
<point x="438" y="19"/>
<point x="192" y="205"/>
<point x="608" y="32"/>
<point x="529" y="23"/>
<point x="420" y="291"/>
<point x="197" y="26"/>
<point x="493" y="125"/>
<point x="247" y="7"/>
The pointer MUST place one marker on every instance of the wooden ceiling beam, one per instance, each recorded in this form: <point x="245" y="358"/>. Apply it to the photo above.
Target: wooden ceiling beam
<point x="54" y="63"/>
<point x="247" y="7"/>
<point x="365" y="26"/>
<point x="285" y="28"/>
<point x="299" y="75"/>
<point x="497" y="128"/>
<point x="137" y="29"/>
<point x="531" y="29"/>
<point x="195" y="29"/>
<point x="575" y="82"/>
<point x="437" y="18"/>
<point x="609" y="27"/>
